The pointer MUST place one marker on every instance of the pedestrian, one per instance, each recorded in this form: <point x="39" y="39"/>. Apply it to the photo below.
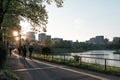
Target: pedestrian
<point x="10" y="49"/>
<point x="24" y="51"/>
<point x="19" y="50"/>
<point x="30" y="51"/>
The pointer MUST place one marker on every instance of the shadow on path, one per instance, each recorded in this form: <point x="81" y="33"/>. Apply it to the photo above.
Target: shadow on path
<point x="27" y="69"/>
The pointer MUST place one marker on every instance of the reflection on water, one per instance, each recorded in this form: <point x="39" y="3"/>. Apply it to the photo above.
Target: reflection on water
<point x="99" y="54"/>
<point x="104" y="54"/>
<point x="107" y="54"/>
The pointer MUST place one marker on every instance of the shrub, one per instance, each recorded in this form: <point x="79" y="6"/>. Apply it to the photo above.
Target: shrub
<point x="76" y="58"/>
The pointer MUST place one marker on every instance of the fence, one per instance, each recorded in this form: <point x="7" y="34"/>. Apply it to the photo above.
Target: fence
<point x="92" y="60"/>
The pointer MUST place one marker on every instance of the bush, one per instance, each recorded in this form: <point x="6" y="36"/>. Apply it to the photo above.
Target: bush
<point x="46" y="50"/>
<point x="3" y="55"/>
<point x="76" y="58"/>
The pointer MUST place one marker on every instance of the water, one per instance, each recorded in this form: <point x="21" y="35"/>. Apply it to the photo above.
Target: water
<point x="108" y="54"/>
<point x="105" y="54"/>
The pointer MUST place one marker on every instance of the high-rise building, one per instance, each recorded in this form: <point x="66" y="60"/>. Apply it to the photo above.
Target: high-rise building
<point x="100" y="40"/>
<point x="116" y="39"/>
<point x="97" y="40"/>
<point x="41" y="37"/>
<point x="30" y="36"/>
<point x="48" y="37"/>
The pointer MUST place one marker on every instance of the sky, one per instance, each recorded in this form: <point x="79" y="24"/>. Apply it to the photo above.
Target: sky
<point x="83" y="19"/>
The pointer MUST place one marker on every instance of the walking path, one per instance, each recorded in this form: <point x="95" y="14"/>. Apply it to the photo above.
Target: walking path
<point x="27" y="69"/>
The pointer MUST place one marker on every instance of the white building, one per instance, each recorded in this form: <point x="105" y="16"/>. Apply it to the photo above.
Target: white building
<point x="30" y="36"/>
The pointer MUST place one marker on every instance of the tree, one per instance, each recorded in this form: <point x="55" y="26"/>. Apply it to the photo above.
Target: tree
<point x="48" y="42"/>
<point x="33" y="10"/>
<point x="10" y="24"/>
<point x="63" y="44"/>
<point x="12" y="11"/>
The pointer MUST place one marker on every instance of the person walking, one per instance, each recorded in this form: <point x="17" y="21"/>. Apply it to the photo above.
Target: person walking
<point x="19" y="50"/>
<point x="10" y="49"/>
<point x="30" y="51"/>
<point x="24" y="50"/>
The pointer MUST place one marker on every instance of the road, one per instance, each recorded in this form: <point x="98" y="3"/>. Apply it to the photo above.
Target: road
<point x="27" y="69"/>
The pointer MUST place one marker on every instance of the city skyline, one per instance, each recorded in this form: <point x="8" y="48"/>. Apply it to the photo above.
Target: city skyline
<point x="83" y="19"/>
<point x="30" y="34"/>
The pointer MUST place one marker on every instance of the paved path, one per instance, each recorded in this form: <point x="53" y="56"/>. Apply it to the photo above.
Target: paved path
<point x="27" y="69"/>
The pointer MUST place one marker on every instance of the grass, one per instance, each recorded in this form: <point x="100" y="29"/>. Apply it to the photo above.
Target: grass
<point x="9" y="73"/>
<point x="94" y="67"/>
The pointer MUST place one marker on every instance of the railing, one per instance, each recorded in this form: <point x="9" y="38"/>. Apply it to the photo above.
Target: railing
<point x="92" y="60"/>
<point x="106" y="62"/>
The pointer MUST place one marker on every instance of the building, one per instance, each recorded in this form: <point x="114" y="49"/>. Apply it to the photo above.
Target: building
<point x="97" y="40"/>
<point x="57" y="39"/>
<point x="48" y="37"/>
<point x="100" y="40"/>
<point x="116" y="39"/>
<point x="42" y="37"/>
<point x="30" y="36"/>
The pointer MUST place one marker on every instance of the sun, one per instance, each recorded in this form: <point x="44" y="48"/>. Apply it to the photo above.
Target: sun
<point x="25" y="27"/>
<point x="15" y="33"/>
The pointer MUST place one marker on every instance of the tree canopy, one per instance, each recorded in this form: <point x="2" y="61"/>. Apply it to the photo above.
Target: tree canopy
<point x="12" y="11"/>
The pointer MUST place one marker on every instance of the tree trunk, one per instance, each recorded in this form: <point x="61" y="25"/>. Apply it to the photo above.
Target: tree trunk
<point x="1" y="18"/>
<point x="2" y="13"/>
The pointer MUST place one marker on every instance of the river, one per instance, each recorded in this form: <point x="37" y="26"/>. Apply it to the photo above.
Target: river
<point x="106" y="54"/>
<point x="99" y="54"/>
<point x="103" y="54"/>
